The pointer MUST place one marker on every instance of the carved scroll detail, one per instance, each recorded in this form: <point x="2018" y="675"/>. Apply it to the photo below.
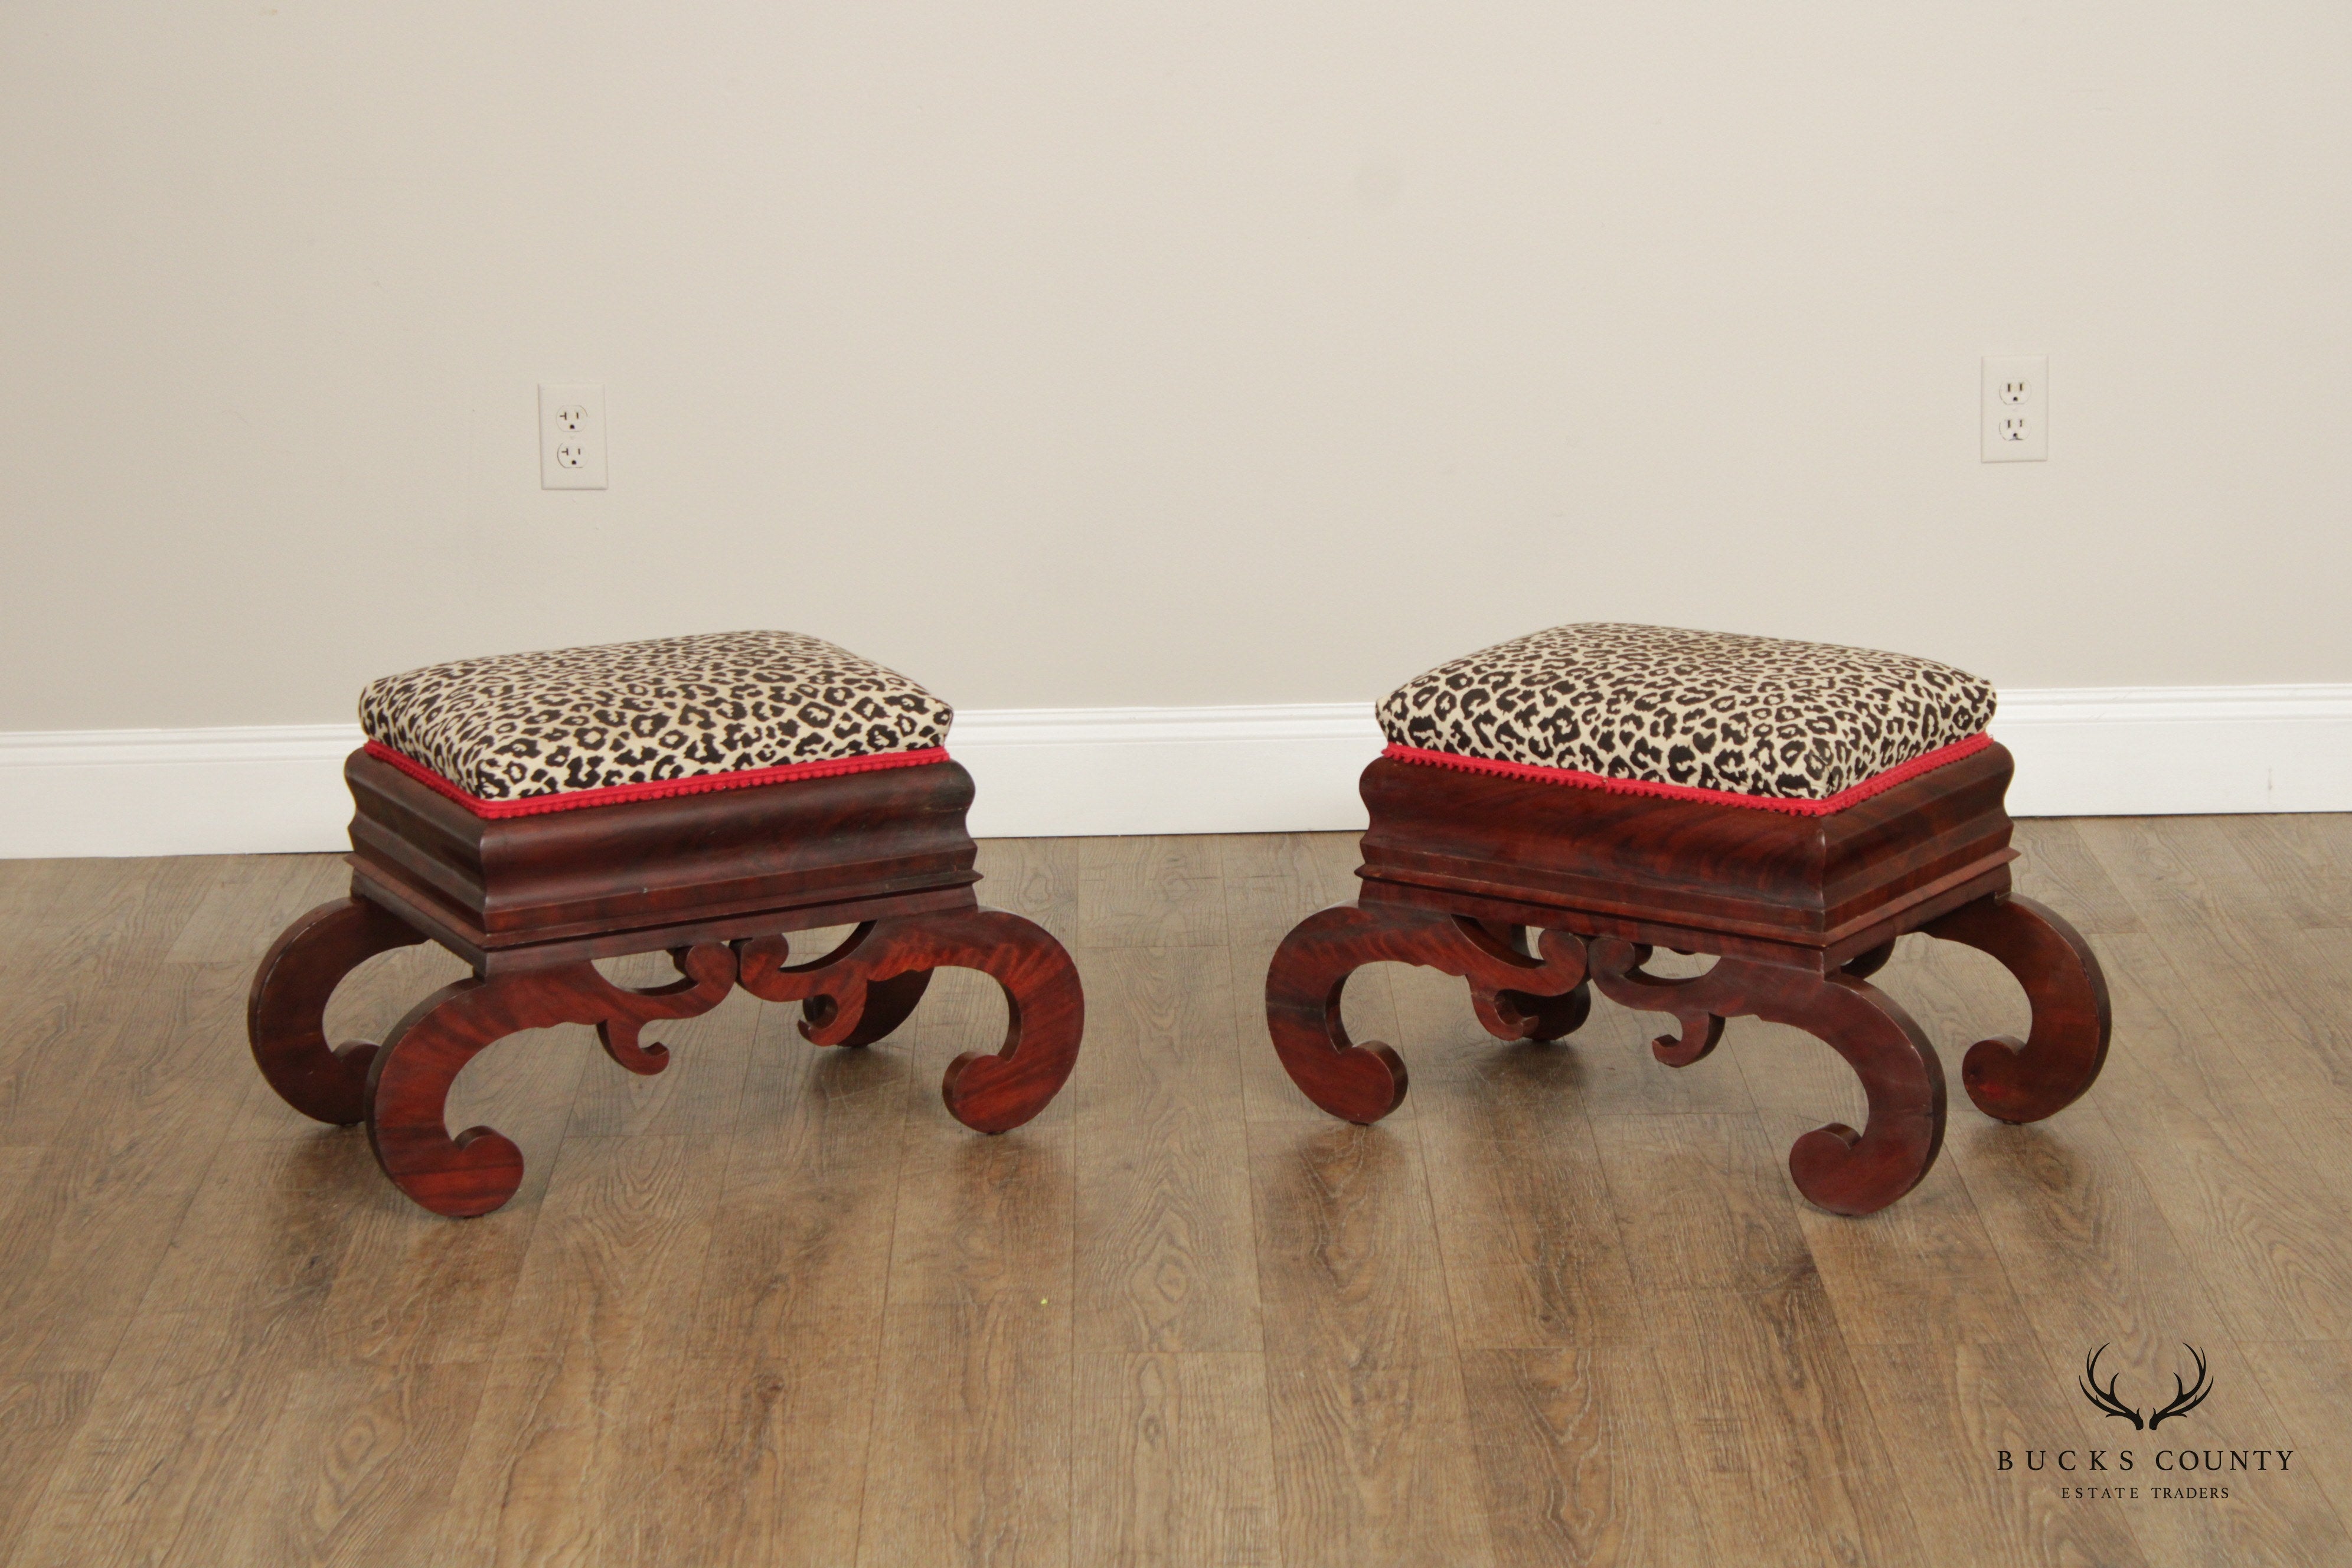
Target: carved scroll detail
<point x="1699" y="1002"/>
<point x="1518" y="993"/>
<point x="1843" y="1170"/>
<point x="408" y="1086"/>
<point x="2026" y="1080"/>
<point x="286" y="1011"/>
<point x="867" y="986"/>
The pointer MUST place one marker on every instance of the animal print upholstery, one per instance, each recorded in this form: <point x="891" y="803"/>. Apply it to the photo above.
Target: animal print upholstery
<point x="1711" y="710"/>
<point x="523" y="724"/>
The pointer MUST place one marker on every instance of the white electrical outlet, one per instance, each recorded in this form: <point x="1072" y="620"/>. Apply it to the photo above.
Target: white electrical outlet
<point x="2016" y="408"/>
<point x="571" y="436"/>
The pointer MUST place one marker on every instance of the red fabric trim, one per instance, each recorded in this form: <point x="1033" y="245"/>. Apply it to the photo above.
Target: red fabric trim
<point x="652" y="789"/>
<point x="1877" y="783"/>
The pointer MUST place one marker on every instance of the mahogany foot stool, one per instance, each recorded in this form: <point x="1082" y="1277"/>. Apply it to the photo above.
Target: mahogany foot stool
<point x="697" y="795"/>
<point x="1551" y="809"/>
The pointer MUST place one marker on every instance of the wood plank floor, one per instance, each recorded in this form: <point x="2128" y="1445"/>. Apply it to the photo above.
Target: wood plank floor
<point x="773" y="1307"/>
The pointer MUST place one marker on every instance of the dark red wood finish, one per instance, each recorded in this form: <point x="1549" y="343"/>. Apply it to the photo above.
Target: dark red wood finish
<point x="487" y="888"/>
<point x="713" y="879"/>
<point x="859" y="990"/>
<point x="1843" y="1170"/>
<point x="1518" y="996"/>
<point x="408" y="1085"/>
<point x="284" y="1015"/>
<point x="2026" y="1080"/>
<point x="1800" y="910"/>
<point x="1730" y="869"/>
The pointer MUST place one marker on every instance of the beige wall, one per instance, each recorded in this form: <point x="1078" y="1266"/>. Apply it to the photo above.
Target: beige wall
<point x="1067" y="353"/>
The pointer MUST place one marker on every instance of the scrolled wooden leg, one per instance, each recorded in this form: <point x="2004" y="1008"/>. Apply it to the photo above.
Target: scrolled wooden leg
<point x="285" y="1014"/>
<point x="1512" y="991"/>
<point x="1358" y="1083"/>
<point x="867" y="986"/>
<point x="408" y="1085"/>
<point x="1836" y="1167"/>
<point x="1617" y="970"/>
<point x="888" y="1004"/>
<point x="1858" y="1174"/>
<point x="1519" y="995"/>
<point x="2026" y="1080"/>
<point x="844" y="1001"/>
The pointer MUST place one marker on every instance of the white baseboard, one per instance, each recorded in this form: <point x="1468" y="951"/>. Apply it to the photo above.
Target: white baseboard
<point x="2177" y="751"/>
<point x="1047" y="772"/>
<point x="242" y="790"/>
<point x="2095" y="751"/>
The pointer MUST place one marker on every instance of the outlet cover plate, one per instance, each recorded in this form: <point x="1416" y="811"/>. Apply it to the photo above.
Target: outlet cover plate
<point x="2016" y="408"/>
<point x="571" y="435"/>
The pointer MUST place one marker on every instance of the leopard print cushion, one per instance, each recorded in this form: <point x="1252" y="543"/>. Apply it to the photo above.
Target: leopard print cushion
<point x="523" y="724"/>
<point x="1753" y="716"/>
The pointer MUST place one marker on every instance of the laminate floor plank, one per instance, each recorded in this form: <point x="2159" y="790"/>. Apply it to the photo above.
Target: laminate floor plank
<point x="700" y="1093"/>
<point x="1618" y="1073"/>
<point x="2082" y="1239"/>
<point x="2272" y="880"/>
<point x="1779" y="1436"/>
<point x="2266" y="1518"/>
<point x="1165" y="1260"/>
<point x="771" y="1396"/>
<point x="2059" y="868"/>
<point x="1273" y="880"/>
<point x="800" y="1250"/>
<point x="2264" y="1223"/>
<point x="582" y="1377"/>
<point x="1371" y="1424"/>
<point x="30" y="887"/>
<point x="971" y="1432"/>
<point x="1782" y="1449"/>
<point x="412" y="1286"/>
<point x="186" y="1411"/>
<point x="765" y="1454"/>
<point x="39" y="1417"/>
<point x="1036" y="878"/>
<point x="1701" y="1203"/>
<point x="1172" y="1461"/>
<point x="2304" y="864"/>
<point x="1532" y="1254"/>
<point x="2309" y="1386"/>
<point x="2279" y="997"/>
<point x="99" y="985"/>
<point x="249" y="900"/>
<point x="55" y="1031"/>
<point x="357" y="1468"/>
<point x="89" y="914"/>
<point x="1578" y="1460"/>
<point x="1150" y="892"/>
<point x="979" y="1217"/>
<point x="161" y="1468"/>
<point x="2085" y="1239"/>
<point x="132" y="1142"/>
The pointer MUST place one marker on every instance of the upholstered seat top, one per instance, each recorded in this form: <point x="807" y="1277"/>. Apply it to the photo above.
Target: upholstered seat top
<point x="1702" y="711"/>
<point x="518" y="726"/>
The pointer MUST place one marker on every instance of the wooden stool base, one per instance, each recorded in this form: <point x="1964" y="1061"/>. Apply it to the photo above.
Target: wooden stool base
<point x="1793" y="949"/>
<point x="912" y="905"/>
